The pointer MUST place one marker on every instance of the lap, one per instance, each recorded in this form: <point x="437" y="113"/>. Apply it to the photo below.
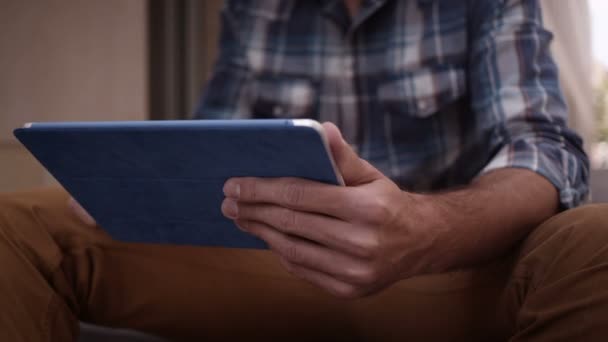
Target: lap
<point x="185" y="292"/>
<point x="557" y="288"/>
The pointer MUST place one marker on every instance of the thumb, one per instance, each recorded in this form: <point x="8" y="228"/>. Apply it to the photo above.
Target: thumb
<point x="354" y="170"/>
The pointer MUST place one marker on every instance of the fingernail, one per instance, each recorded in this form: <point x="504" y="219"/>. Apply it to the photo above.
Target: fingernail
<point x="230" y="208"/>
<point x="232" y="189"/>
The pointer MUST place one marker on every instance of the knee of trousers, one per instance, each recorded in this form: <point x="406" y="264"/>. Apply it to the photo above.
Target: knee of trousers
<point x="566" y="243"/>
<point x="24" y="238"/>
<point x="33" y="308"/>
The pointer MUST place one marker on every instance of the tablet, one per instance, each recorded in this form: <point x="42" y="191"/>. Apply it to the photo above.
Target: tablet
<point x="162" y="181"/>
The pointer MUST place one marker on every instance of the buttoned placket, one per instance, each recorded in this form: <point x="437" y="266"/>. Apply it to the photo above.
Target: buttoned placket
<point x="349" y="112"/>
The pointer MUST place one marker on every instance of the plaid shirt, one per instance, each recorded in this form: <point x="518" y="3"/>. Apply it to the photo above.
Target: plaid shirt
<point x="432" y="92"/>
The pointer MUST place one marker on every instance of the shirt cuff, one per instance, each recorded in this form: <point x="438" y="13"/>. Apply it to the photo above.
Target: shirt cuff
<point x="563" y="169"/>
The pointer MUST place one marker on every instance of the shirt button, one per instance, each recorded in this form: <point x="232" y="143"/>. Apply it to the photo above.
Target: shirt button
<point x="278" y="111"/>
<point x="423" y="105"/>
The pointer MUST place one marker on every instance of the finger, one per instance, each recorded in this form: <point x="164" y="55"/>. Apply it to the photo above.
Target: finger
<point x="333" y="233"/>
<point x="309" y="255"/>
<point x="334" y="286"/>
<point x="82" y="214"/>
<point x="354" y="170"/>
<point x="298" y="194"/>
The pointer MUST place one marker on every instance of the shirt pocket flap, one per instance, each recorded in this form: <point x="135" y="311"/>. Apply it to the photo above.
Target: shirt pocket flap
<point x="274" y="97"/>
<point x="423" y="92"/>
<point x="270" y="10"/>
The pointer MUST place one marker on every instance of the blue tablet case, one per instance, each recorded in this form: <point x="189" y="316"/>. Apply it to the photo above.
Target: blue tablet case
<point x="162" y="181"/>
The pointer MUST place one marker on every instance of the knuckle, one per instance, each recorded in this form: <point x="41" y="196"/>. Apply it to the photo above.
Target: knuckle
<point x="364" y="275"/>
<point x="348" y="292"/>
<point x="370" y="276"/>
<point x="367" y="245"/>
<point x="249" y="190"/>
<point x="289" y="267"/>
<point x="377" y="210"/>
<point x="293" y="194"/>
<point x="370" y="247"/>
<point x="288" y="221"/>
<point x="292" y="253"/>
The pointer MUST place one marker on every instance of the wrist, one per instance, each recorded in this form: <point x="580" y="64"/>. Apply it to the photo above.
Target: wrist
<point x="433" y="219"/>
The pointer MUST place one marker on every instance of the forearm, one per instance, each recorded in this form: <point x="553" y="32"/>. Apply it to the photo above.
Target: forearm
<point x="485" y="219"/>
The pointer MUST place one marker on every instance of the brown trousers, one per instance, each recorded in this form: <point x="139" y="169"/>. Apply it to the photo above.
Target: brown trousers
<point x="55" y="271"/>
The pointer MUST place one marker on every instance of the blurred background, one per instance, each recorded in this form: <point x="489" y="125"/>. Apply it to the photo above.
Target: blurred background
<point x="81" y="60"/>
<point x="148" y="59"/>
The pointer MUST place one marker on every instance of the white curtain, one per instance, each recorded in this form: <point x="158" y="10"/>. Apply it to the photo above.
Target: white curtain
<point x="569" y="20"/>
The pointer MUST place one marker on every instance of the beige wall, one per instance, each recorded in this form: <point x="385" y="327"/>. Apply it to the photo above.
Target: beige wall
<point x="67" y="60"/>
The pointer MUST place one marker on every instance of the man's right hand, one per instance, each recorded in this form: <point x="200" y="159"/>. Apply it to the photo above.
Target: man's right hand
<point x="82" y="214"/>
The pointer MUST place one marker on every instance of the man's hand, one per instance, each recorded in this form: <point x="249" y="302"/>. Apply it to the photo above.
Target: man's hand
<point x="82" y="214"/>
<point x="351" y="241"/>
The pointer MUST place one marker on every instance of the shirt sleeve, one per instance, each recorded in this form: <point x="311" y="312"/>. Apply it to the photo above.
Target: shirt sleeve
<point x="514" y="83"/>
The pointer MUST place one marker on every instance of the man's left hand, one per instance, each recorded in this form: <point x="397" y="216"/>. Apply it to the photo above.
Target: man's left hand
<point x="350" y="240"/>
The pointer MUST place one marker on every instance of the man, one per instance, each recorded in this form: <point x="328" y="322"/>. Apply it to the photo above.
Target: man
<point x="442" y="234"/>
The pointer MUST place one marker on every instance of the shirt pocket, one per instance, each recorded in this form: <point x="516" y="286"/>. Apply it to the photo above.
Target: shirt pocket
<point x="424" y="92"/>
<point x="283" y="97"/>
